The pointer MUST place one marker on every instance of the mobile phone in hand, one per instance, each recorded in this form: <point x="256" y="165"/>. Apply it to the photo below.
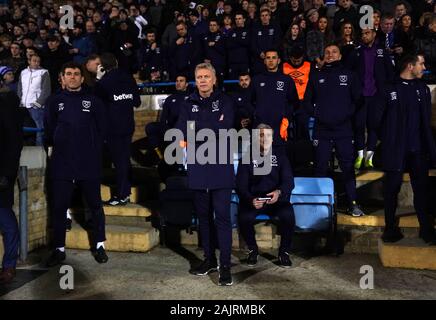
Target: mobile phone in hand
<point x="264" y="199"/>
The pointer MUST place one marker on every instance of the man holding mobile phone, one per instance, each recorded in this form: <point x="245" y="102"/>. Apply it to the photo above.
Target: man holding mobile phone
<point x="266" y="194"/>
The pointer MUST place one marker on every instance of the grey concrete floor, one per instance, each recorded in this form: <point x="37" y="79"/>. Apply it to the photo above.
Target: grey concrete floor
<point x="163" y="274"/>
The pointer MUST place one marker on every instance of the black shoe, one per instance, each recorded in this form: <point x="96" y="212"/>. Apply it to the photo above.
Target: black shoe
<point x="225" y="276"/>
<point x="55" y="258"/>
<point x="115" y="201"/>
<point x="69" y="224"/>
<point x="429" y="237"/>
<point x="204" y="268"/>
<point x="392" y="235"/>
<point x="284" y="260"/>
<point x="252" y="258"/>
<point x="100" y="255"/>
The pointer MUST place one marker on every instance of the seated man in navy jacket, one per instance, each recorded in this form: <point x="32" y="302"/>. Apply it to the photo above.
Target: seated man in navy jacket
<point x="266" y="194"/>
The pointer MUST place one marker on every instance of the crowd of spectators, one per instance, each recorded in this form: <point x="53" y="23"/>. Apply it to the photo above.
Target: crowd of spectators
<point x="159" y="39"/>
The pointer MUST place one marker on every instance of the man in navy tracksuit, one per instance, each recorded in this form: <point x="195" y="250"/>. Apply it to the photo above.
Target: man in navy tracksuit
<point x="253" y="191"/>
<point x="407" y="145"/>
<point x="244" y="109"/>
<point x="151" y="56"/>
<point x="274" y="97"/>
<point x="238" y="43"/>
<point x="119" y="92"/>
<point x="265" y="35"/>
<point x="155" y="131"/>
<point x="212" y="183"/>
<point x="185" y="52"/>
<point x="330" y="98"/>
<point x="214" y="50"/>
<point x="75" y="128"/>
<point x="374" y="67"/>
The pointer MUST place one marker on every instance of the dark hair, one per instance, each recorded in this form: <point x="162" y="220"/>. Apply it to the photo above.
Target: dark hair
<point x="272" y="50"/>
<point x="182" y="75"/>
<point x="387" y="16"/>
<point x="108" y="61"/>
<point x="91" y="57"/>
<point x="71" y="65"/>
<point x="297" y="52"/>
<point x="409" y="59"/>
<point x="243" y="74"/>
<point x="181" y="22"/>
<point x="213" y="19"/>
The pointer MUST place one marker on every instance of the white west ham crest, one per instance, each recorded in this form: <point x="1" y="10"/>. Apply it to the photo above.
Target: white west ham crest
<point x="61" y="106"/>
<point x="259" y="33"/>
<point x="343" y="78"/>
<point x="271" y="32"/>
<point x="194" y="108"/>
<point x="215" y="106"/>
<point x="86" y="104"/>
<point x="393" y="96"/>
<point x="380" y="52"/>
<point x="321" y="80"/>
<point x="234" y="35"/>
<point x="244" y="34"/>
<point x="274" y="161"/>
<point x="262" y="84"/>
<point x="280" y="85"/>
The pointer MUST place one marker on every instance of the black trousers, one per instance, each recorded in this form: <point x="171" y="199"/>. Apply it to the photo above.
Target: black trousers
<point x="119" y="149"/>
<point x="285" y="214"/>
<point x="213" y="211"/>
<point x="62" y="191"/>
<point x="416" y="165"/>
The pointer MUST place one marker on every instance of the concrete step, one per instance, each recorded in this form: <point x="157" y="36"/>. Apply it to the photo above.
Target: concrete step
<point x="129" y="210"/>
<point x="107" y="192"/>
<point x="408" y="253"/>
<point x="376" y="175"/>
<point x="407" y="217"/>
<point x="119" y="238"/>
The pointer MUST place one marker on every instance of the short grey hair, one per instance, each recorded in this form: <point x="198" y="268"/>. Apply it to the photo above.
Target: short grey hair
<point x="207" y="66"/>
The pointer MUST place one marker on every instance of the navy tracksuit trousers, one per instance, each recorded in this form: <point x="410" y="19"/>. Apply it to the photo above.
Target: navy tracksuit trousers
<point x="62" y="191"/>
<point x="119" y="149"/>
<point x="345" y="154"/>
<point x="416" y="164"/>
<point x="213" y="211"/>
<point x="368" y="116"/>
<point x="285" y="214"/>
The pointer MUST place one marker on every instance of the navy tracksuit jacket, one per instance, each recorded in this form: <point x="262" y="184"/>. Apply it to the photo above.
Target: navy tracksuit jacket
<point x="331" y="96"/>
<point x="155" y="131"/>
<point x="274" y="97"/>
<point x="75" y="127"/>
<point x="263" y="38"/>
<point x="119" y="92"/>
<point x="243" y="107"/>
<point x="407" y="144"/>
<point x="184" y="57"/>
<point x="212" y="183"/>
<point x="250" y="186"/>
<point x="150" y="58"/>
<point x="215" y="53"/>
<point x="238" y="43"/>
